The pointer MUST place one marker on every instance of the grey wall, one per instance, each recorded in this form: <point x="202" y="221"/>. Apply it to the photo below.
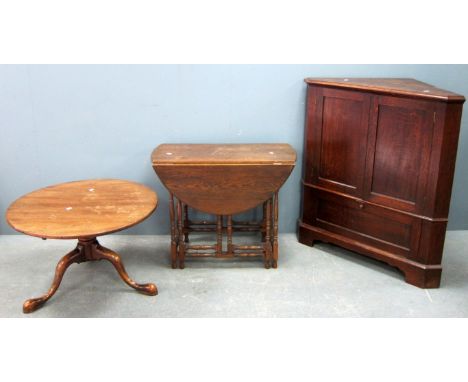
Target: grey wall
<point x="62" y="123"/>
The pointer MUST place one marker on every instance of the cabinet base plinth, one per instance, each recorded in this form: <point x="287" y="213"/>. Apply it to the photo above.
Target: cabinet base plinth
<point x="423" y="277"/>
<point x="417" y="274"/>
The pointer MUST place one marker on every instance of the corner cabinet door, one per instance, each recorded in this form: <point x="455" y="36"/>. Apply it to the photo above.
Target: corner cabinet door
<point x="398" y="153"/>
<point x="337" y="126"/>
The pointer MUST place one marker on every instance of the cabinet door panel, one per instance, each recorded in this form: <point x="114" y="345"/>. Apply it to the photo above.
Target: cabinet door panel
<point x="399" y="152"/>
<point x="340" y="140"/>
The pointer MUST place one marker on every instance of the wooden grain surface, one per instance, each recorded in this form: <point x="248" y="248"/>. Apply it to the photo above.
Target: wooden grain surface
<point x="223" y="179"/>
<point x="223" y="190"/>
<point x="378" y="170"/>
<point x="213" y="154"/>
<point x="395" y="86"/>
<point x="82" y="209"/>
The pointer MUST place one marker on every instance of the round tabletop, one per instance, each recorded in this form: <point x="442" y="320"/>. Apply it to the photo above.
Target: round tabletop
<point x="82" y="209"/>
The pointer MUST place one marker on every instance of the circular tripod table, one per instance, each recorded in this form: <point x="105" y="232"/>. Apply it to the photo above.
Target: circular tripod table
<point x="83" y="210"/>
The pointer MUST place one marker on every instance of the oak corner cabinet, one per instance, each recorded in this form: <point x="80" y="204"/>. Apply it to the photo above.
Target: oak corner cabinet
<point x="379" y="159"/>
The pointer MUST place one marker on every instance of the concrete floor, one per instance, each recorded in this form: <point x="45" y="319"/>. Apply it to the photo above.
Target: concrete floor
<point x="323" y="281"/>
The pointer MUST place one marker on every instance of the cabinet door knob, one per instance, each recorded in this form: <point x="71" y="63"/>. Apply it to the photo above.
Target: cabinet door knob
<point x="361" y="204"/>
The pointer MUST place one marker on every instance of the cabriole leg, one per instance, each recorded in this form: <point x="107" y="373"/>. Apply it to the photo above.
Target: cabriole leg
<point x="75" y="256"/>
<point x="102" y="253"/>
<point x="87" y="249"/>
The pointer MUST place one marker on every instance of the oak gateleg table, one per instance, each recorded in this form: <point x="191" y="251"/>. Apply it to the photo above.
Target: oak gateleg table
<point x="223" y="180"/>
<point x="83" y="210"/>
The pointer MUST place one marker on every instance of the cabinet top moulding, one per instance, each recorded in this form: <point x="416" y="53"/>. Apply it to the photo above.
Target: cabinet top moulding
<point x="406" y="87"/>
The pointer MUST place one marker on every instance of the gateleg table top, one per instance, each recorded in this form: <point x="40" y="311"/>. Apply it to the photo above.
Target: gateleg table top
<point x="223" y="179"/>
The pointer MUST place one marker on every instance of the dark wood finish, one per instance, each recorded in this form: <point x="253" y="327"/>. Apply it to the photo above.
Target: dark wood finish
<point x="378" y="170"/>
<point x="186" y="219"/>
<point x="230" y="247"/>
<point x="400" y="141"/>
<point x="274" y="262"/>
<point x="263" y="227"/>
<point x="265" y="250"/>
<point x="83" y="210"/>
<point x="219" y="234"/>
<point x="224" y="180"/>
<point x="267" y="244"/>
<point x="180" y="228"/>
<point x="174" y="237"/>
<point x="345" y="132"/>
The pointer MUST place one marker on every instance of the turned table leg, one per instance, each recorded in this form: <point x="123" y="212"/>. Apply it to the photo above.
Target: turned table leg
<point x="180" y="227"/>
<point x="186" y="224"/>
<point x="275" y="231"/>
<point x="174" y="237"/>
<point x="87" y="250"/>
<point x="219" y="235"/>
<point x="230" y="249"/>
<point x="267" y="243"/>
<point x="263" y="226"/>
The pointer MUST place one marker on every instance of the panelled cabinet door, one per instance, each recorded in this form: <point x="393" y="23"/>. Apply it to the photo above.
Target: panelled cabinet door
<point x="398" y="152"/>
<point x="337" y="137"/>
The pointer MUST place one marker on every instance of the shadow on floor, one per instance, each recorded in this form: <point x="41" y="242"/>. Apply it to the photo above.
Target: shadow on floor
<point x="361" y="260"/>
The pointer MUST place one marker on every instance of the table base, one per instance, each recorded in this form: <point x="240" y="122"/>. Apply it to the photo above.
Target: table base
<point x="87" y="250"/>
<point x="182" y="226"/>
